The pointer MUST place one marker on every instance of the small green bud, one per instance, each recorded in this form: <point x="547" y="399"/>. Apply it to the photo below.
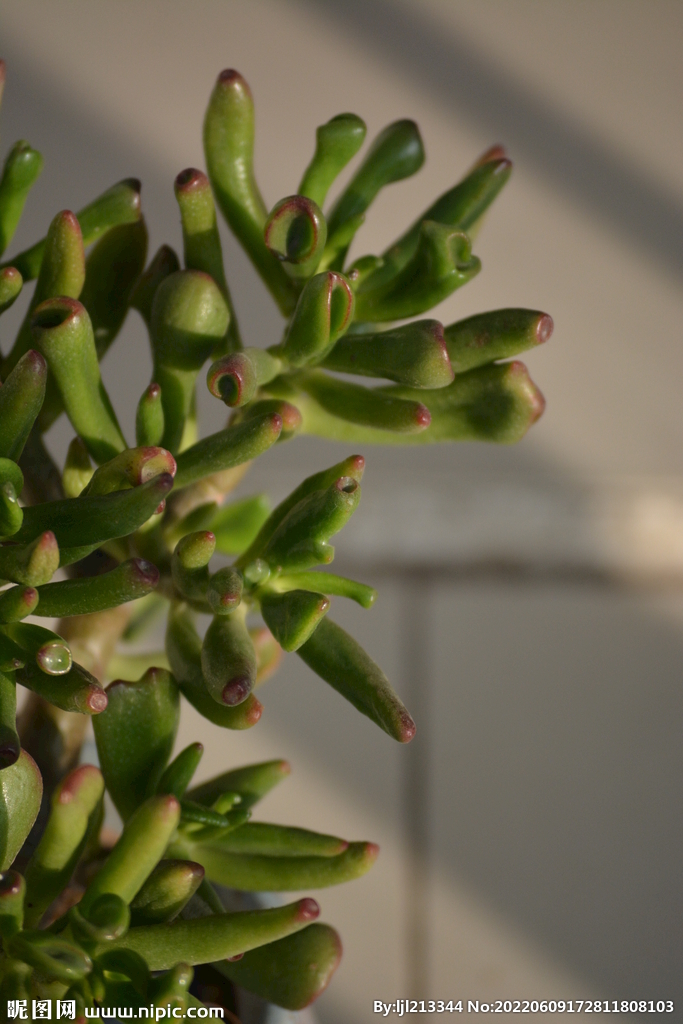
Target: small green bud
<point x="236" y="378"/>
<point x="149" y="418"/>
<point x="177" y="777"/>
<point x="50" y="651"/>
<point x="295" y="233"/>
<point x="30" y="564"/>
<point x="324" y="311"/>
<point x="17" y="602"/>
<point x="184" y="650"/>
<point x="224" y="591"/>
<point x="190" y="564"/>
<point x="11" y="283"/>
<point x="78" y="468"/>
<point x="328" y="583"/>
<point x="228" y="659"/>
<point x="166" y="891"/>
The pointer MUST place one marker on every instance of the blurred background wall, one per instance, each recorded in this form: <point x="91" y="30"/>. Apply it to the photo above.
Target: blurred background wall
<point x="531" y="608"/>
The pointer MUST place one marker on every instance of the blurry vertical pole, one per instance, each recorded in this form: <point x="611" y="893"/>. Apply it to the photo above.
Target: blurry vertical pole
<point x="416" y="691"/>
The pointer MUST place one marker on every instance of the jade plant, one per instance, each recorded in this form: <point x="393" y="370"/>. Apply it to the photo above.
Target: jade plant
<point x="140" y="523"/>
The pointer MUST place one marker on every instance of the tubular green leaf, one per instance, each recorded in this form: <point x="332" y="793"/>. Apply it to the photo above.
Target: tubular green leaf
<point x="366" y="407"/>
<point x="236" y="525"/>
<point x="21" y="398"/>
<point x="338" y="659"/>
<point x="324" y="311"/>
<point x="218" y="937"/>
<point x="11" y="283"/>
<point x="189" y="319"/>
<point x="337" y="142"/>
<point x="414" y="354"/>
<point x="492" y="403"/>
<point x="228" y="448"/>
<point x="135" y="737"/>
<point x="74" y="807"/>
<point x="49" y="650"/>
<point x="291" y="972"/>
<point x="137" y="852"/>
<point x="500" y="334"/>
<point x="296" y="232"/>
<point x="30" y="564"/>
<point x="258" y="873"/>
<point x="118" y="205"/>
<point x="260" y="838"/>
<point x="461" y="207"/>
<point x="166" y="891"/>
<point x="252" y="783"/>
<point x="442" y="262"/>
<point x="82" y="596"/>
<point x="294" y="616"/>
<point x="77" y="691"/>
<point x="112" y="269"/>
<point x="201" y="242"/>
<point x="190" y="564"/>
<point x="178" y="775"/>
<point x="229" y="151"/>
<point x="351" y="467"/>
<point x="62" y="273"/>
<point x="164" y="263"/>
<point x="22" y="168"/>
<point x="62" y="331"/>
<point x="228" y="659"/>
<point x="183" y="647"/>
<point x="16" y="603"/>
<point x="94" y="519"/>
<point x="395" y="154"/>
<point x="149" y="418"/>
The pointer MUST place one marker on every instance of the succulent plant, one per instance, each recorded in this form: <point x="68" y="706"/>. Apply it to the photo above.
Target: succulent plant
<point x="135" y="531"/>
